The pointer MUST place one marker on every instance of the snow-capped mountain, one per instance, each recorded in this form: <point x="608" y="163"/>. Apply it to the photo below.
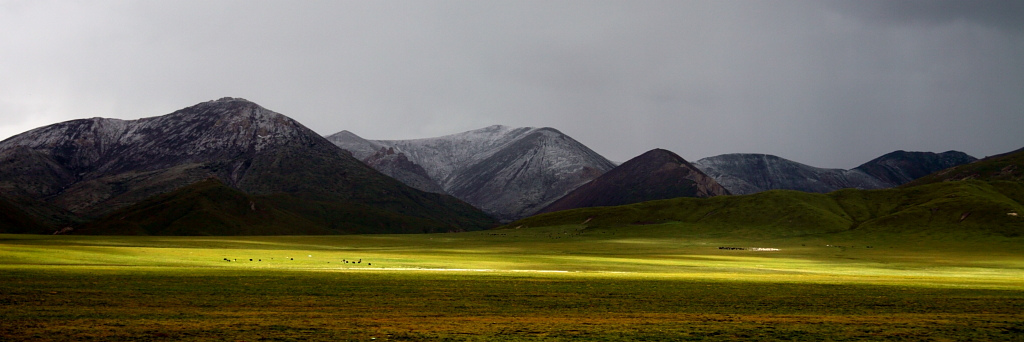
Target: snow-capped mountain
<point x="359" y="147"/>
<point x="508" y="172"/>
<point x="209" y="131"/>
<point x="94" y="166"/>
<point x="398" y="166"/>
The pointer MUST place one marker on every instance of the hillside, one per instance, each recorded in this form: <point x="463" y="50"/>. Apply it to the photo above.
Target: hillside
<point x="94" y="166"/>
<point x="656" y="174"/>
<point x="945" y="211"/>
<point x="1007" y="166"/>
<point x="507" y="172"/>
<point x="212" y="208"/>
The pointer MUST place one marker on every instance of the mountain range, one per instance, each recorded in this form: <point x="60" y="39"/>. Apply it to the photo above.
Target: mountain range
<point x="979" y="204"/>
<point x="446" y="162"/>
<point x="231" y="166"/>
<point x="86" y="169"/>
<point x="507" y="172"/>
<point x="654" y="175"/>
<point x="751" y="173"/>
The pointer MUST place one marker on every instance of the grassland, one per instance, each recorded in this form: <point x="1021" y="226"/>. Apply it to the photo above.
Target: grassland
<point x="573" y="282"/>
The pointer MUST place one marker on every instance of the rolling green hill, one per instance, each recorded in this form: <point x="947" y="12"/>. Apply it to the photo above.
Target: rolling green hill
<point x="1007" y="166"/>
<point x="942" y="212"/>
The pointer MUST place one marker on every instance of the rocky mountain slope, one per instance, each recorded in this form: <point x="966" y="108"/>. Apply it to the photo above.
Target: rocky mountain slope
<point x="94" y="166"/>
<point x="399" y="167"/>
<point x="359" y="148"/>
<point x="745" y="173"/>
<point x="656" y="174"/>
<point x="507" y="172"/>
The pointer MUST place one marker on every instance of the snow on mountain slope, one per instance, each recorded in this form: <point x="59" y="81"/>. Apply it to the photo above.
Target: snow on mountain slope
<point x="398" y="166"/>
<point x="207" y="131"/>
<point x="445" y="157"/>
<point x="508" y="172"/>
<point x="94" y="166"/>
<point x="359" y="147"/>
<point x="525" y="176"/>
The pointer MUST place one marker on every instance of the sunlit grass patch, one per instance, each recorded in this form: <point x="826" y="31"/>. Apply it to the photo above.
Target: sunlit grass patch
<point x="522" y="286"/>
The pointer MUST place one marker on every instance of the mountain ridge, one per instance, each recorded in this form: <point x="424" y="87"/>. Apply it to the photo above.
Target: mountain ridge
<point x="100" y="165"/>
<point x="506" y="171"/>
<point x="745" y="173"/>
<point x="901" y="167"/>
<point x="1007" y="166"/>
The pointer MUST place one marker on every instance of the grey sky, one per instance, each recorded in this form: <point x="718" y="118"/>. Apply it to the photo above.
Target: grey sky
<point x="829" y="84"/>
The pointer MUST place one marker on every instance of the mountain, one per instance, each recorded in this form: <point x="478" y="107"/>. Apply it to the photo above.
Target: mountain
<point x="1002" y="167"/>
<point x="507" y="172"/>
<point x="210" y="207"/>
<point x="25" y="215"/>
<point x="656" y="174"/>
<point x="398" y="166"/>
<point x="94" y="166"/>
<point x="744" y="173"/>
<point x="900" y="167"/>
<point x="354" y="144"/>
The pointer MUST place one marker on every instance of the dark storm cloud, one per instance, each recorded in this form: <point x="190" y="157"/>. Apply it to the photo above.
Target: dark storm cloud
<point x="1000" y="14"/>
<point x="830" y="84"/>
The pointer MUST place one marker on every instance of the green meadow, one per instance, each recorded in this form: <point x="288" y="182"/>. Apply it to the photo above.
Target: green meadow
<point x="572" y="282"/>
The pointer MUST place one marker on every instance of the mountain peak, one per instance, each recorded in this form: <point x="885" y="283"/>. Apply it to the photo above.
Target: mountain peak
<point x="495" y="128"/>
<point x="231" y="99"/>
<point x="656" y="174"/>
<point x="660" y="152"/>
<point x="509" y="172"/>
<point x="211" y="130"/>
<point x="93" y="166"/>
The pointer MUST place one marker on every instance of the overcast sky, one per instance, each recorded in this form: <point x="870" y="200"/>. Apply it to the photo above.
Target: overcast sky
<point x="829" y="84"/>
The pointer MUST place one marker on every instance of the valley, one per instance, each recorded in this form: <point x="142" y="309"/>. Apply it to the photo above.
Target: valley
<point x="565" y="283"/>
<point x="228" y="221"/>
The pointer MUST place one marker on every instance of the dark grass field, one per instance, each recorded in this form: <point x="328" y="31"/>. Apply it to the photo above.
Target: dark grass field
<point x="210" y="304"/>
